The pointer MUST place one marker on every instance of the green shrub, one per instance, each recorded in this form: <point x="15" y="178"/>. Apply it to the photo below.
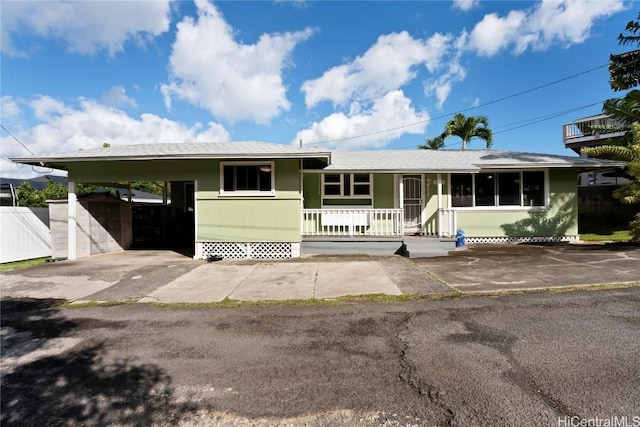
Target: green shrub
<point x="635" y="228"/>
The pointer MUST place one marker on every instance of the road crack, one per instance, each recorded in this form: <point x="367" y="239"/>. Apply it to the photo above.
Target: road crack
<point x="409" y="376"/>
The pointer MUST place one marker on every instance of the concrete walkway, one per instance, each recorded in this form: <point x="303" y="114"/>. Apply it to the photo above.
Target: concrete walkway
<point x="166" y="277"/>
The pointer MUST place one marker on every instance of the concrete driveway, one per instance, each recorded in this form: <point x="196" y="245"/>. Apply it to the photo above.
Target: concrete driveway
<point x="482" y="268"/>
<point x="169" y="277"/>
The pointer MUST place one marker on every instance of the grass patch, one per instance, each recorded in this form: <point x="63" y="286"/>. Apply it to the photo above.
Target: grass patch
<point x="606" y="233"/>
<point x="355" y="299"/>
<point x="23" y="264"/>
<point x="553" y="290"/>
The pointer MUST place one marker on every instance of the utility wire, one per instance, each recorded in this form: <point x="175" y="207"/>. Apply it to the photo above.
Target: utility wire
<point x="466" y="109"/>
<point x="524" y="123"/>
<point x="33" y="167"/>
<point x="17" y="140"/>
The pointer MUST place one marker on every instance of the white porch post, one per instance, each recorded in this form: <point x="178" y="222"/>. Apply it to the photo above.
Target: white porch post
<point x="439" y="198"/>
<point x="197" y="252"/>
<point x="401" y="190"/>
<point x="401" y="202"/>
<point x="72" y="251"/>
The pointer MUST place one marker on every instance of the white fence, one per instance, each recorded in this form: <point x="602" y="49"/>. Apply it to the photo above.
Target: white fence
<point x="24" y="233"/>
<point x="352" y="222"/>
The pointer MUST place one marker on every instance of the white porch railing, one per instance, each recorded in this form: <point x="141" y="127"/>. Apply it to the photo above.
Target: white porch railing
<point x="352" y="222"/>
<point x="447" y="223"/>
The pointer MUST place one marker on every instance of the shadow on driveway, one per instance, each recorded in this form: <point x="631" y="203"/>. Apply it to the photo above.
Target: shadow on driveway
<point x="50" y="378"/>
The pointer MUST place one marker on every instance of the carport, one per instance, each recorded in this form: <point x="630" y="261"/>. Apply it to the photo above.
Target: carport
<point x="166" y="225"/>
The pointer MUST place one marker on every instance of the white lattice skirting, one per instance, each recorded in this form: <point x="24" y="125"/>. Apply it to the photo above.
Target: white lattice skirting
<point x="508" y="239"/>
<point x="247" y="250"/>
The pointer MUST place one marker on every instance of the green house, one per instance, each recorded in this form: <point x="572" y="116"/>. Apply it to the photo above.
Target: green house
<point x="261" y="200"/>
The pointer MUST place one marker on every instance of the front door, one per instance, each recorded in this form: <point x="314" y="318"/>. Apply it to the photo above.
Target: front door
<point x="412" y="203"/>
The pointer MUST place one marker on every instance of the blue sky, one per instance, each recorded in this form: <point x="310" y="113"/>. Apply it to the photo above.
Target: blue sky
<point x="338" y="75"/>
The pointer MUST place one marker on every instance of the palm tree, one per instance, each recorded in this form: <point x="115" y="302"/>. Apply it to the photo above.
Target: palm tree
<point x="625" y="110"/>
<point x="435" y="143"/>
<point x="468" y="128"/>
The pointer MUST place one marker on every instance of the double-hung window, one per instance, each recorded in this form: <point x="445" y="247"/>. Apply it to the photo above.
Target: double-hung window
<point x="247" y="179"/>
<point x="499" y="189"/>
<point x="353" y="185"/>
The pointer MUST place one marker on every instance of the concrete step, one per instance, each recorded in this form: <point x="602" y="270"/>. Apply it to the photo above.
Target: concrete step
<point x="423" y="247"/>
<point x="414" y="247"/>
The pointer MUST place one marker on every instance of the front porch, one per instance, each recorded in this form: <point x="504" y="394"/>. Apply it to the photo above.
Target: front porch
<point x="367" y="231"/>
<point x="369" y="223"/>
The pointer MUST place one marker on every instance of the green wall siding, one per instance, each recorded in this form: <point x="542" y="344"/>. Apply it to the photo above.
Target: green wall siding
<point x="227" y="218"/>
<point x="249" y="220"/>
<point x="312" y="191"/>
<point x="430" y="214"/>
<point x="383" y="191"/>
<point x="559" y="220"/>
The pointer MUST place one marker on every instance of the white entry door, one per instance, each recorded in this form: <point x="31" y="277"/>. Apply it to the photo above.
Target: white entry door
<point x="412" y="197"/>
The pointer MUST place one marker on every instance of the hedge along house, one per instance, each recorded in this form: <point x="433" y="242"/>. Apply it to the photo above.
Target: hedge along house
<point x="261" y="200"/>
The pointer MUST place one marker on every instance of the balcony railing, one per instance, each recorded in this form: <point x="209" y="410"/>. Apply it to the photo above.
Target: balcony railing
<point x="352" y="222"/>
<point x="593" y="128"/>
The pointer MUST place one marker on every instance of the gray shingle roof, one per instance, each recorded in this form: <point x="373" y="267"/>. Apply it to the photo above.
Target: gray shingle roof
<point x="453" y="160"/>
<point x="215" y="150"/>
<point x="371" y="161"/>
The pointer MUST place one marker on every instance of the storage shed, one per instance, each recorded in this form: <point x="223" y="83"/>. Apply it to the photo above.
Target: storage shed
<point x="103" y="225"/>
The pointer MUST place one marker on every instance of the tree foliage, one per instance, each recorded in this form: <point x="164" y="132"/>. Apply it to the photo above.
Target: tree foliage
<point x="624" y="68"/>
<point x="33" y="198"/>
<point x="465" y="128"/>
<point x="628" y="193"/>
<point x="435" y="143"/>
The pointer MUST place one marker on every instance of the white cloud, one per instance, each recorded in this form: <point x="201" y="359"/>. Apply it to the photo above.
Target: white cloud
<point x="117" y="97"/>
<point x="550" y="22"/>
<point x="233" y="81"/>
<point x="465" y="5"/>
<point x="85" y="26"/>
<point x="90" y="124"/>
<point x="9" y="108"/>
<point x="387" y="65"/>
<point x="393" y="110"/>
<point x="441" y="85"/>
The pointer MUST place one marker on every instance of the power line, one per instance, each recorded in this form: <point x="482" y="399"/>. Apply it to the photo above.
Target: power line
<point x="17" y="140"/>
<point x="33" y="167"/>
<point x="545" y="118"/>
<point x="528" y="122"/>
<point x="504" y="98"/>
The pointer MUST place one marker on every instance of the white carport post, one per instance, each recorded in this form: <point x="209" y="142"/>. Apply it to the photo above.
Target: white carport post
<point x="439" y="198"/>
<point x="72" y="221"/>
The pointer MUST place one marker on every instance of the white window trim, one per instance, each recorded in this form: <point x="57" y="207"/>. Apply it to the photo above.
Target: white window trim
<point x="497" y="207"/>
<point x="351" y="187"/>
<point x="248" y="193"/>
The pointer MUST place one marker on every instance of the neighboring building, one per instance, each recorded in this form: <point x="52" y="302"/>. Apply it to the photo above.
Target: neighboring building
<point x="591" y="132"/>
<point x="261" y="200"/>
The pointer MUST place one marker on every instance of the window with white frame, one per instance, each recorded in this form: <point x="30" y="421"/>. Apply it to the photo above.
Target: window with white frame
<point x="499" y="189"/>
<point x="352" y="185"/>
<point x="247" y="178"/>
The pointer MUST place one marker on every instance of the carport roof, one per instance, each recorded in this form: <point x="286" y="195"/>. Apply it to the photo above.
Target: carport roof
<point x="456" y="161"/>
<point x="203" y="150"/>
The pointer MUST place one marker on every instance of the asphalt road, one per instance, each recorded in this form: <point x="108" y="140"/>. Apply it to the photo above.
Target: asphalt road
<point x="525" y="360"/>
